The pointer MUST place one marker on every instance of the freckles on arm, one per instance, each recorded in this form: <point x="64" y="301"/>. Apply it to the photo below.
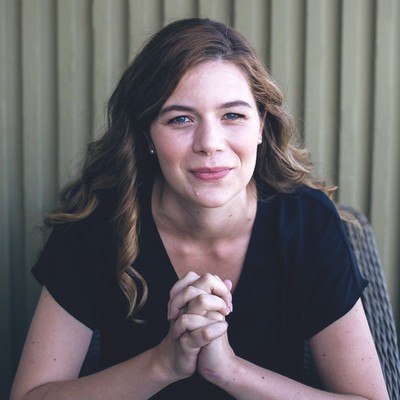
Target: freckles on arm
<point x="346" y="357"/>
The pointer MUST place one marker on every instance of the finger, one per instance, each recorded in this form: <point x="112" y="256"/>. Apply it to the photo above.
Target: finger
<point x="207" y="302"/>
<point x="202" y="336"/>
<point x="181" y="300"/>
<point x="181" y="284"/>
<point x="189" y="322"/>
<point x="185" y="281"/>
<point x="215" y="316"/>
<point x="181" y="295"/>
<point x="228" y="284"/>
<point x="214" y="285"/>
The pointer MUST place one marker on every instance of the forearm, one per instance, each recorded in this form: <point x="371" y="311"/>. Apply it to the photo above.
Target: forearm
<point x="138" y="378"/>
<point x="246" y="381"/>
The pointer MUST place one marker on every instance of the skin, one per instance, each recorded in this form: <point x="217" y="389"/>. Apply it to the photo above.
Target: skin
<point x="209" y="123"/>
<point x="205" y="201"/>
<point x="206" y="139"/>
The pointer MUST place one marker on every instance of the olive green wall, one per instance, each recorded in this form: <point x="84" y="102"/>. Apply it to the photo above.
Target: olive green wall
<point x="338" y="62"/>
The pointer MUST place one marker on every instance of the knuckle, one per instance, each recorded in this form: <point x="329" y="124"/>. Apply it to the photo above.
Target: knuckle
<point x="184" y="320"/>
<point x="206" y="334"/>
<point x="215" y="315"/>
<point x="184" y="340"/>
<point x="202" y="299"/>
<point x="208" y="277"/>
<point x="190" y="293"/>
<point x="191" y="275"/>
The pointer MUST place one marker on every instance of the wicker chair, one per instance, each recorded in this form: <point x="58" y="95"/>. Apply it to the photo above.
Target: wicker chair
<point x="376" y="303"/>
<point x="375" y="300"/>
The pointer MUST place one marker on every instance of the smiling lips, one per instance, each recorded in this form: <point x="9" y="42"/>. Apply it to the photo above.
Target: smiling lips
<point x="211" y="174"/>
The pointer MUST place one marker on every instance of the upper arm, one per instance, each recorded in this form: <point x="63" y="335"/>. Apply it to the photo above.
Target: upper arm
<point x="346" y="357"/>
<point x="55" y="347"/>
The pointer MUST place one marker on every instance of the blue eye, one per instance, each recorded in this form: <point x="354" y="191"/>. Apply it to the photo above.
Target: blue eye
<point x="233" y="116"/>
<point x="181" y="119"/>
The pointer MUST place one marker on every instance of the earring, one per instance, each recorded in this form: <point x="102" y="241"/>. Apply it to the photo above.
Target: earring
<point x="260" y="140"/>
<point x="152" y="151"/>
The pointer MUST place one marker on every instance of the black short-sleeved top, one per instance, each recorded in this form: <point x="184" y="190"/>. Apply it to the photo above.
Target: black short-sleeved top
<point x="299" y="276"/>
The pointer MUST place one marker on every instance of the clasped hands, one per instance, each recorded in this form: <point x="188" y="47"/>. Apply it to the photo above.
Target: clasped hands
<point x="197" y="339"/>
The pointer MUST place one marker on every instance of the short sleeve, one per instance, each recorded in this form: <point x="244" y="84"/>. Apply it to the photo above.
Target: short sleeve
<point x="335" y="282"/>
<point x="77" y="267"/>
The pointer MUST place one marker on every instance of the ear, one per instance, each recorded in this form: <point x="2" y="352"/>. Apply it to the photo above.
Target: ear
<point x="152" y="148"/>
<point x="150" y="144"/>
<point x="261" y="130"/>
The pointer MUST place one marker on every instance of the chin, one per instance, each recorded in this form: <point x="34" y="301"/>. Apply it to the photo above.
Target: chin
<point x="214" y="201"/>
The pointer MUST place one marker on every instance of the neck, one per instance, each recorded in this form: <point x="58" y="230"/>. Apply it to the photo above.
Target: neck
<point x="188" y="220"/>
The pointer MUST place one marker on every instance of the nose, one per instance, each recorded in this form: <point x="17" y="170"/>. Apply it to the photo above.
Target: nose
<point x="208" y="138"/>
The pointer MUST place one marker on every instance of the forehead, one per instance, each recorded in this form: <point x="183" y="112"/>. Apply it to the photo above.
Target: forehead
<point x="217" y="76"/>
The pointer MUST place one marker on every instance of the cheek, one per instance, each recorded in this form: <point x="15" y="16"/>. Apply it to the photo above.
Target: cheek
<point x="248" y="158"/>
<point x="247" y="148"/>
<point x="169" y="155"/>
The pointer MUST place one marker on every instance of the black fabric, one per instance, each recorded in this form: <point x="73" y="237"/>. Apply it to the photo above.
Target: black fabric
<point x="299" y="276"/>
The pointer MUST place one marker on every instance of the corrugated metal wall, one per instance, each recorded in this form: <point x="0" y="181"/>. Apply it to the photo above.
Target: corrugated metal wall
<point x="337" y="60"/>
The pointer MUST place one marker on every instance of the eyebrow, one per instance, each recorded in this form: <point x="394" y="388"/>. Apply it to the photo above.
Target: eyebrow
<point x="229" y="104"/>
<point x="235" y="103"/>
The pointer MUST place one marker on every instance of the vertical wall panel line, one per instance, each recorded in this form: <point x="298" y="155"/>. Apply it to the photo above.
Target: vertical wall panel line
<point x="40" y="125"/>
<point x="74" y="55"/>
<point x="259" y="31"/>
<point x="287" y="53"/>
<point x="385" y="204"/>
<point x="12" y="312"/>
<point x="339" y="96"/>
<point x="372" y="114"/>
<point x="355" y="103"/>
<point x="110" y="55"/>
<point x="174" y="9"/>
<point x="144" y="19"/>
<point x="321" y="91"/>
<point x="15" y="184"/>
<point x="221" y="10"/>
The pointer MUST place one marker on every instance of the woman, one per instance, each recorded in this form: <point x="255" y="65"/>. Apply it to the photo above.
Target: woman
<point x="195" y="200"/>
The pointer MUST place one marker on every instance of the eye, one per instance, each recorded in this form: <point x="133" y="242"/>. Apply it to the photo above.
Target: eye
<point x="233" y="116"/>
<point x="180" y="120"/>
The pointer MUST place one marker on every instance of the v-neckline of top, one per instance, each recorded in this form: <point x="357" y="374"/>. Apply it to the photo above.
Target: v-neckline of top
<point x="171" y="272"/>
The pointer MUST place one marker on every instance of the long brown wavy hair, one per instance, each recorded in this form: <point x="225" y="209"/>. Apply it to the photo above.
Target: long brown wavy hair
<point x="119" y="162"/>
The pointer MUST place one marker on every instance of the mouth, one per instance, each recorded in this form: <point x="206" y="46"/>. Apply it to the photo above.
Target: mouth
<point x="211" y="174"/>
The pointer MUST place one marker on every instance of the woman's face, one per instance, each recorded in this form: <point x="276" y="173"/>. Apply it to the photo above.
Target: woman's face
<point x="206" y="136"/>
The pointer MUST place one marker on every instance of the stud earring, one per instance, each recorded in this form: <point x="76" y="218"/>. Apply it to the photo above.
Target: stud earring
<point x="260" y="140"/>
<point x="152" y="151"/>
